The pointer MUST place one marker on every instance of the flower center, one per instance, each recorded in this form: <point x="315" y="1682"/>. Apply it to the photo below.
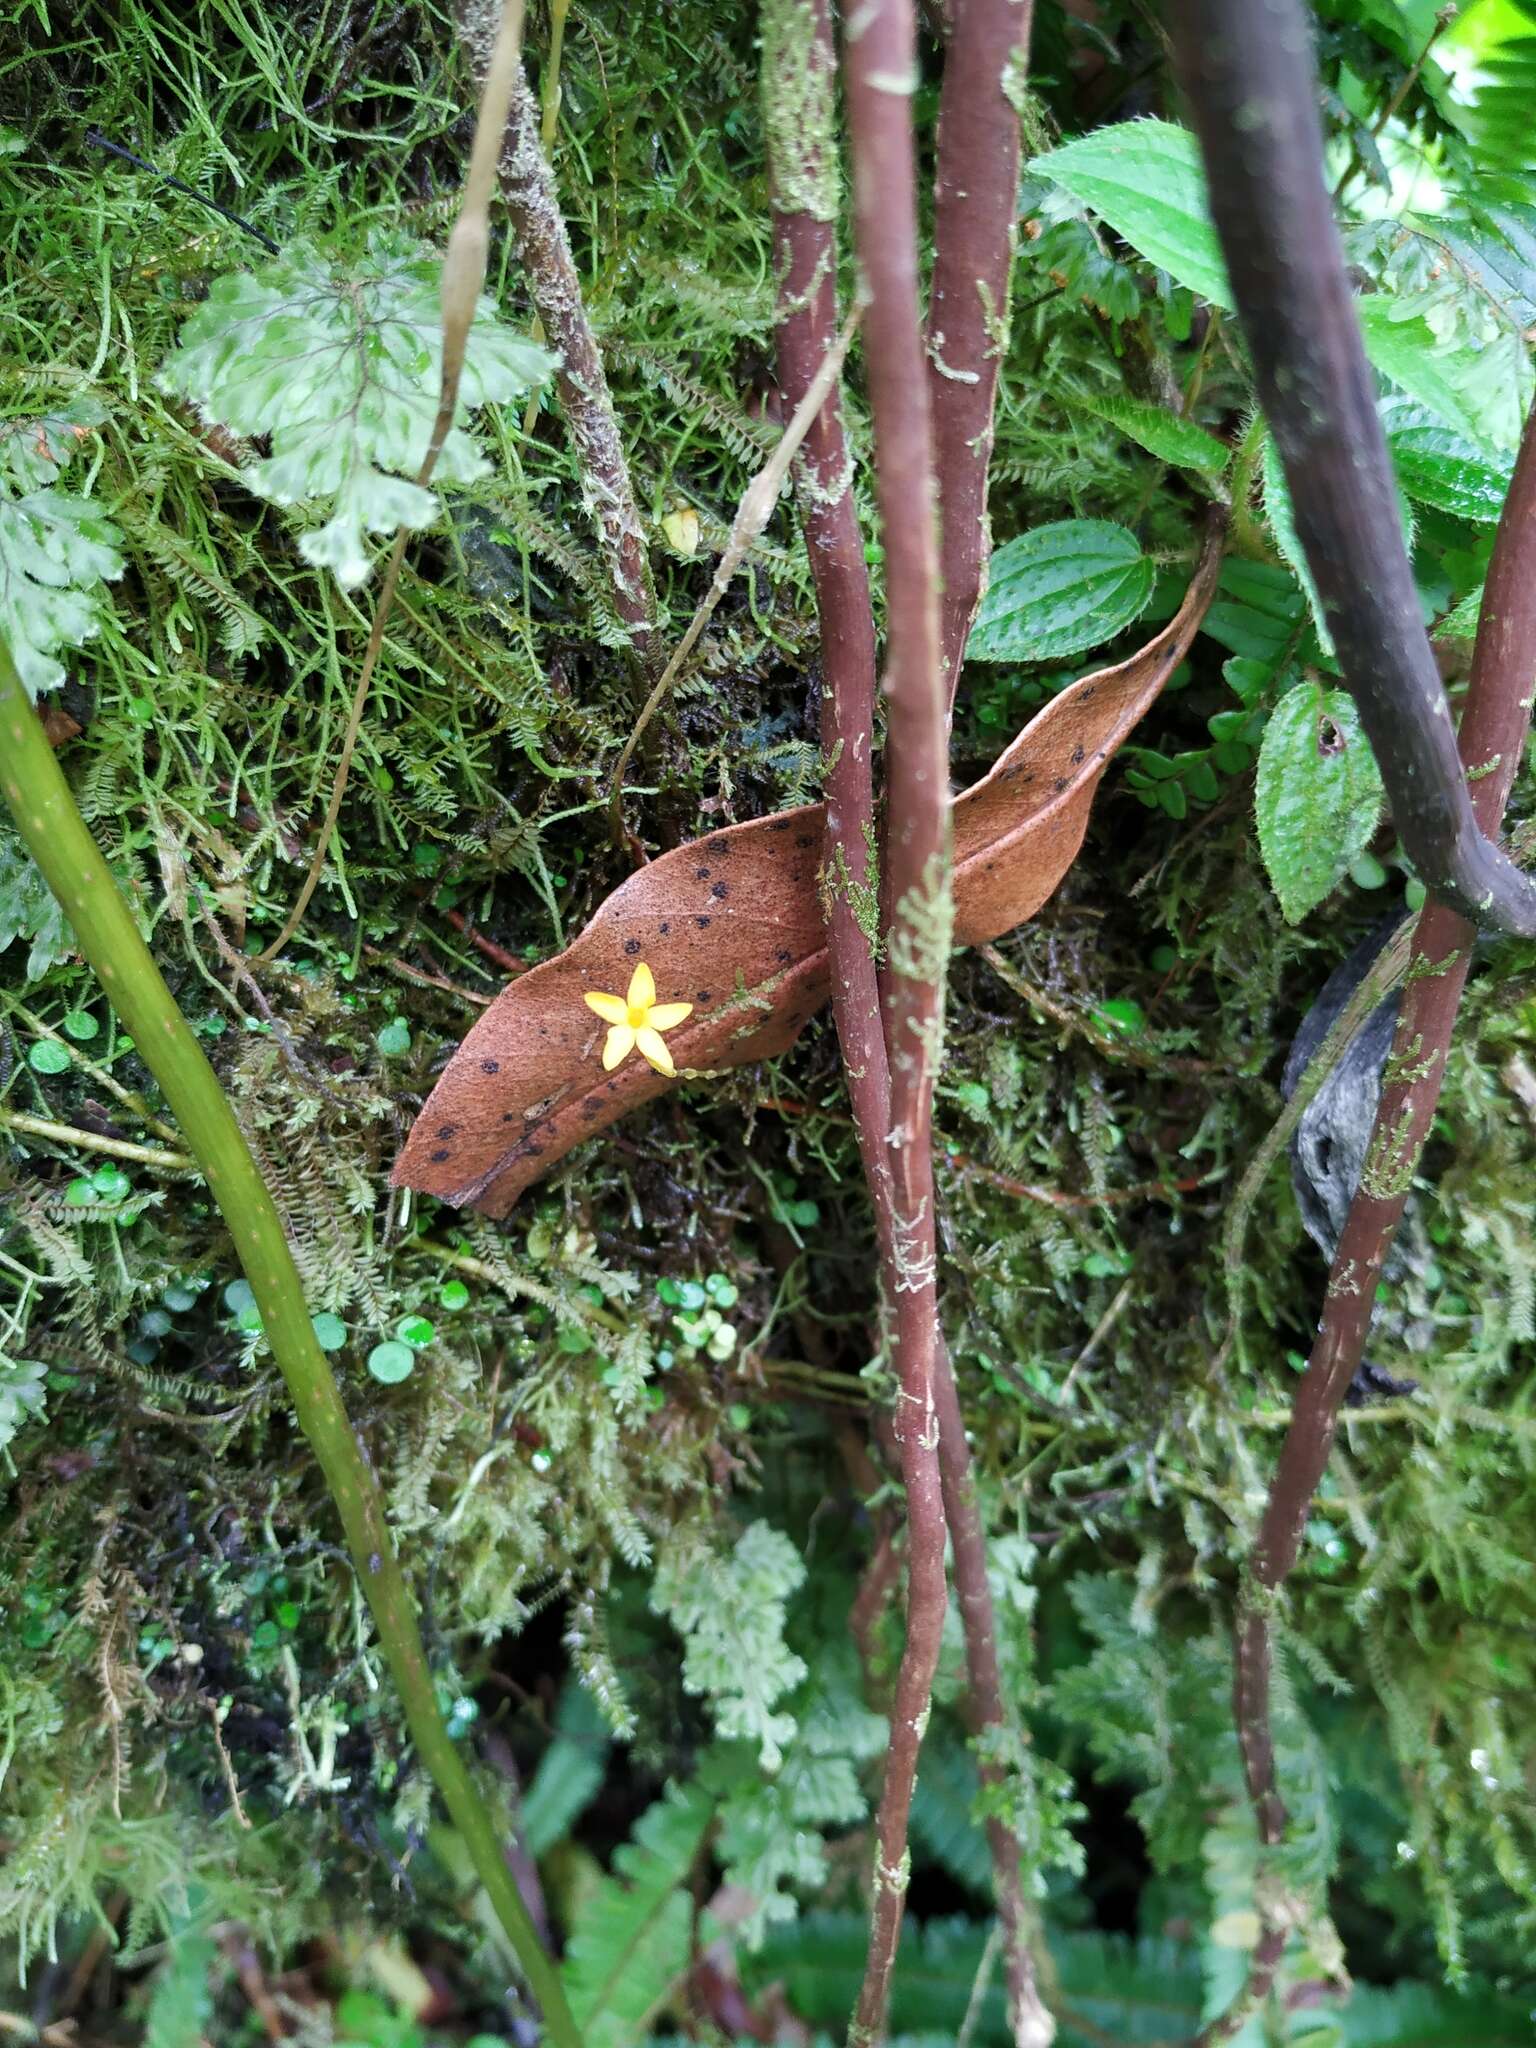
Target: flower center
<point x="638" y="1012"/>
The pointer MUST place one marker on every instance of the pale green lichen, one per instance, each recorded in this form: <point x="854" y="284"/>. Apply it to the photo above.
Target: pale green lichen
<point x="798" y="102"/>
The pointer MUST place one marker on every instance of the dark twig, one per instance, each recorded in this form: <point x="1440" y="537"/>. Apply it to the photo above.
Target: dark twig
<point x="176" y="184"/>
<point x="880" y="73"/>
<point x="975" y="209"/>
<point x="1246" y="66"/>
<point x="1492" y="742"/>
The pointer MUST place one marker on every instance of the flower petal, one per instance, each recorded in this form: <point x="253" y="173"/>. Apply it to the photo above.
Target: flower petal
<point x="621" y="1043"/>
<point x="642" y="988"/>
<point x="612" y="1009"/>
<point x="654" y="1048"/>
<point x="665" y="1015"/>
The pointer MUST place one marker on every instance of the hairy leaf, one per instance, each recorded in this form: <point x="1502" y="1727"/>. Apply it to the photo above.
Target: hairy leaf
<point x="732" y="924"/>
<point x="1161" y="432"/>
<point x="1146" y="179"/>
<point x="1318" y="794"/>
<point x="340" y="367"/>
<point x="1453" y="384"/>
<point x="1439" y="467"/>
<point x="630" y="1943"/>
<point x="1060" y="589"/>
<point x="1282" y="524"/>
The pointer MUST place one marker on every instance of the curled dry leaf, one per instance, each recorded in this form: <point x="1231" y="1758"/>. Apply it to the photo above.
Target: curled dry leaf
<point x="732" y="924"/>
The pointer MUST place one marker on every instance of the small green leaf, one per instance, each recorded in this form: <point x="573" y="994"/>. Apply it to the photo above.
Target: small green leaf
<point x="1259" y="615"/>
<point x="394" y="1038"/>
<point x="1161" y="432"/>
<point x="417" y="1331"/>
<point x="1122" y="1014"/>
<point x="391" y="1362"/>
<point x="81" y="1026"/>
<point x="1059" y="590"/>
<point x="1145" y="178"/>
<point x="1318" y="795"/>
<point x="330" y="1331"/>
<point x="48" y="1057"/>
<point x="453" y="1295"/>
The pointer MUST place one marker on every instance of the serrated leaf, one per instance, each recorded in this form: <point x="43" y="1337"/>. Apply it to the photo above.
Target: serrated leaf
<point x="340" y="366"/>
<point x="1317" y="797"/>
<point x="630" y="1943"/>
<point x="55" y="553"/>
<point x="1453" y="384"/>
<point x="1437" y="466"/>
<point x="1060" y="589"/>
<point x="1146" y="179"/>
<point x="1161" y="432"/>
<point x="1461" y="624"/>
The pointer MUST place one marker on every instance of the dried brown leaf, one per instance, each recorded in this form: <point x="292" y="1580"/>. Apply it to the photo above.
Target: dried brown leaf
<point x="732" y="924"/>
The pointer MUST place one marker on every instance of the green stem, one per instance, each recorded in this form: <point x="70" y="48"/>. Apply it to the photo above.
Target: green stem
<point x="56" y="836"/>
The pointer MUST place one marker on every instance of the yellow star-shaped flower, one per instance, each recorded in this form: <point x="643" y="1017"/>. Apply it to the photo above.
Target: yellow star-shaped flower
<point x="638" y="1020"/>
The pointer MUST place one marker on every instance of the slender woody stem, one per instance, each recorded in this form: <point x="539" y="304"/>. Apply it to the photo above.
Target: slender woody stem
<point x="880" y="71"/>
<point x="975" y="211"/>
<point x="56" y="836"/>
<point x="528" y="187"/>
<point x="798" y="92"/>
<point x="1247" y="68"/>
<point x="799" y="89"/>
<point x="1492" y="744"/>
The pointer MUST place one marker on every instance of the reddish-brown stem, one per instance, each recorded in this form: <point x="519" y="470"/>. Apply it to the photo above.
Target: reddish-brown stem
<point x="528" y="188"/>
<point x="798" y="78"/>
<point x="975" y="208"/>
<point x="880" y="69"/>
<point x="1491" y="743"/>
<point x="986" y="1709"/>
<point x="799" y="81"/>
